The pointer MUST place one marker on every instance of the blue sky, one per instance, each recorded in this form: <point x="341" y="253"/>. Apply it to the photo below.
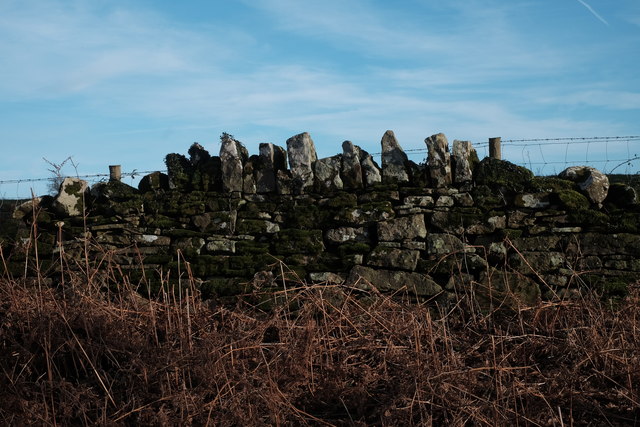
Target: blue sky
<point x="126" y="82"/>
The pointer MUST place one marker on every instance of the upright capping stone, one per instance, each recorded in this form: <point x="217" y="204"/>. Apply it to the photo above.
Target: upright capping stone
<point x="439" y="160"/>
<point x="302" y="155"/>
<point x="179" y="170"/>
<point x="464" y="160"/>
<point x="327" y="174"/>
<point x="71" y="197"/>
<point x="272" y="159"/>
<point x="155" y="181"/>
<point x="233" y="155"/>
<point x="592" y="183"/>
<point x="198" y="154"/>
<point x="248" y="178"/>
<point x="371" y="174"/>
<point x="394" y="160"/>
<point x="351" y="172"/>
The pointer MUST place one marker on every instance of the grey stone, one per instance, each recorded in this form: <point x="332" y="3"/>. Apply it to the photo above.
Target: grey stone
<point x="464" y="159"/>
<point x="233" y="155"/>
<point x="394" y="160"/>
<point x="326" y="277"/>
<point x="444" y="201"/>
<point x="533" y="201"/>
<point x="155" y="181"/>
<point x="463" y="199"/>
<point x="70" y="200"/>
<point x="351" y="171"/>
<point x="153" y="240"/>
<point x="223" y="245"/>
<point x="347" y="234"/>
<point x="441" y="244"/>
<point x="327" y="174"/>
<point x="371" y="174"/>
<point x="302" y="154"/>
<point x="387" y="280"/>
<point x="420" y="201"/>
<point x="198" y="154"/>
<point x="500" y="288"/>
<point x="438" y="160"/>
<point x="248" y="178"/>
<point x="272" y="159"/>
<point x="592" y="183"/>
<point x="27" y="208"/>
<point x="386" y="257"/>
<point x="409" y="227"/>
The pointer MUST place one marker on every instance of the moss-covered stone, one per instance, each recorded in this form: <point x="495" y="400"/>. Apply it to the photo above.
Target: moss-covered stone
<point x="341" y="199"/>
<point x="502" y="175"/>
<point x="551" y="184"/>
<point x="296" y="241"/>
<point x="571" y="200"/>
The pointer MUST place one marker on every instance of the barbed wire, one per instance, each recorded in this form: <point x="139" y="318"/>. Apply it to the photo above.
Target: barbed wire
<point x="132" y="174"/>
<point x="537" y="143"/>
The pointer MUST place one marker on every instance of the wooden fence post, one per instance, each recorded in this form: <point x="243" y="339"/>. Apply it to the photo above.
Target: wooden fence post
<point x="115" y="173"/>
<point x="495" y="151"/>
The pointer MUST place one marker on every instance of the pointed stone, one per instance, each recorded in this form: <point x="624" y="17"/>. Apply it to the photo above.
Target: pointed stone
<point x="302" y="153"/>
<point x="351" y="168"/>
<point x="327" y="174"/>
<point x="394" y="160"/>
<point x="464" y="159"/>
<point x="438" y="160"/>
<point x="233" y="155"/>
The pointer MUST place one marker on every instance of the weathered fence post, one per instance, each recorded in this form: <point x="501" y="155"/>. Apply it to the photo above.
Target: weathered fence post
<point x="495" y="151"/>
<point x="115" y="173"/>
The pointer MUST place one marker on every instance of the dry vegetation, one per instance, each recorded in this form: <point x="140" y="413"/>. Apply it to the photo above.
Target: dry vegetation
<point x="82" y="353"/>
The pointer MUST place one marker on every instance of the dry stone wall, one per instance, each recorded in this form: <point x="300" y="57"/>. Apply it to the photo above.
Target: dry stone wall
<point x="455" y="224"/>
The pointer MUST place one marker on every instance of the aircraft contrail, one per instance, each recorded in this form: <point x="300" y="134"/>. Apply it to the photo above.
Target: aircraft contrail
<point x="593" y="12"/>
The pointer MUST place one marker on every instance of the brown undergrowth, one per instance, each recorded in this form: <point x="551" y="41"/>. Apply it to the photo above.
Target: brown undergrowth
<point x="79" y="353"/>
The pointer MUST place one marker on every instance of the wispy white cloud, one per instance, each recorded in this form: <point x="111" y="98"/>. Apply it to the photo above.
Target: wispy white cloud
<point x="593" y="12"/>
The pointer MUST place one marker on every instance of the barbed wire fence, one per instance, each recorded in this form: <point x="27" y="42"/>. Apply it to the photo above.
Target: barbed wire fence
<point x="543" y="156"/>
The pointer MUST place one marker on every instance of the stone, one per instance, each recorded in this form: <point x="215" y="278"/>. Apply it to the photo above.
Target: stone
<point x="27" y="208"/>
<point x="501" y="288"/>
<point x="152" y="240"/>
<point x="223" y="245"/>
<point x="272" y="159"/>
<point x="592" y="183"/>
<point x="439" y="160"/>
<point x="155" y="181"/>
<point x="179" y="171"/>
<point x="532" y="201"/>
<point x="387" y="280"/>
<point x="327" y="174"/>
<point x="403" y="259"/>
<point x="622" y="195"/>
<point x="444" y="201"/>
<point x="394" y="160"/>
<point x="198" y="154"/>
<point x="419" y="201"/>
<point x="371" y="174"/>
<point x="464" y="160"/>
<point x="463" y="199"/>
<point x="351" y="171"/>
<point x="441" y="244"/>
<point x="403" y="228"/>
<point x="502" y="175"/>
<point x="233" y="155"/>
<point x="347" y="234"/>
<point x="72" y="197"/>
<point x="326" y="277"/>
<point x="248" y="178"/>
<point x="302" y="154"/>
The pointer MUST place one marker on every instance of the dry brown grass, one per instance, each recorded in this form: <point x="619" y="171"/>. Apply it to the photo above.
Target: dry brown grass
<point x="80" y="353"/>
